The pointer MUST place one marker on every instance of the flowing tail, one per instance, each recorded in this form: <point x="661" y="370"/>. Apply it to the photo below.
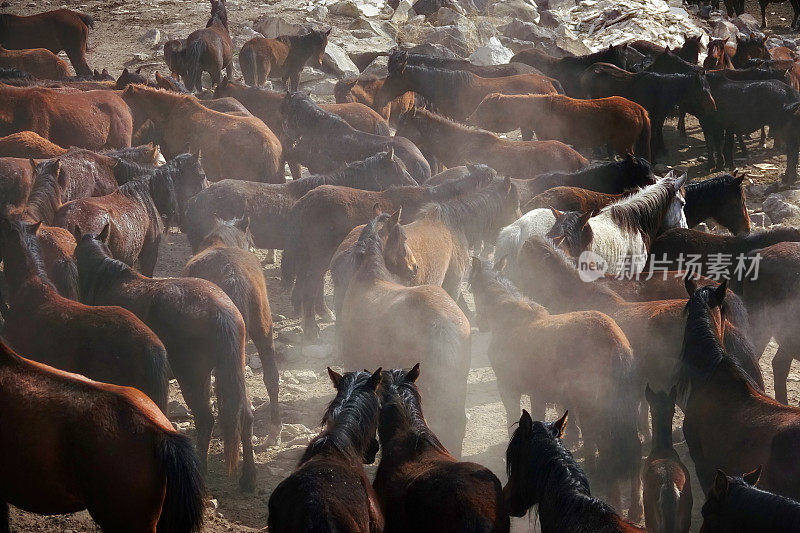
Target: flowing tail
<point x="230" y="385"/>
<point x="194" y="71"/>
<point x="87" y="19"/>
<point x="643" y="144"/>
<point x="622" y="408"/>
<point x="182" y="511"/>
<point x="247" y="62"/>
<point x="668" y="505"/>
<point x="157" y="376"/>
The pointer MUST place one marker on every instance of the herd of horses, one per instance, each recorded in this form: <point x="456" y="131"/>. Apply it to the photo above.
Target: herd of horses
<point x="95" y="171"/>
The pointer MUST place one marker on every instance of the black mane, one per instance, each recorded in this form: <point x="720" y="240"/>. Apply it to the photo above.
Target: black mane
<point x="747" y="508"/>
<point x="402" y="407"/>
<point x="98" y="272"/>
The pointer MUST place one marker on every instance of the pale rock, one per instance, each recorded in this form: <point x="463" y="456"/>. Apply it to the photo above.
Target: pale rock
<point x="323" y="87"/>
<point x="141" y="56"/>
<point x="319" y="13"/>
<point x="448" y="17"/>
<point x="747" y="23"/>
<point x="151" y="38"/>
<point x="336" y="61"/>
<point x="401" y="14"/>
<point x="723" y="29"/>
<point x="779" y="210"/>
<point x="275" y="26"/>
<point x="524" y="10"/>
<point x="433" y="49"/>
<point x="377" y="69"/>
<point x="305" y="376"/>
<point x="255" y="362"/>
<point x="760" y="220"/>
<point x="493" y="53"/>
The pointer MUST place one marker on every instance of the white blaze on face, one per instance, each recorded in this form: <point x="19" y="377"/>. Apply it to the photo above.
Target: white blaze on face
<point x="676" y="217"/>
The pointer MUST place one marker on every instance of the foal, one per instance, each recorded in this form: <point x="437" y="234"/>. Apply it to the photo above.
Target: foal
<point x="329" y="490"/>
<point x="419" y="485"/>
<point x="541" y="471"/>
<point x="533" y="352"/>
<point x="202" y="331"/>
<point x="667" y="486"/>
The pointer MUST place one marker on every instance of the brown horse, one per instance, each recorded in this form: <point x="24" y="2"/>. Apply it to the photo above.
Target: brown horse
<point x="258" y="153"/>
<point x="267" y="205"/>
<point x="139" y="212"/>
<point x="29" y="144"/>
<point x="224" y="258"/>
<point x="454" y="144"/>
<point x="728" y="423"/>
<point x="209" y="49"/>
<point x="55" y="31"/>
<point x="58" y="429"/>
<point x="105" y="343"/>
<point x="16" y="181"/>
<point x="202" y="331"/>
<point x="364" y="90"/>
<point x="537" y="353"/>
<point x="573" y="199"/>
<point x="281" y="58"/>
<point x="89" y="119"/>
<point x="454" y="93"/>
<point x="667" y="485"/>
<point x="383" y="321"/>
<point x="419" y="485"/>
<point x="322" y="218"/>
<point x="717" y="57"/>
<point x="266" y="105"/>
<point x="38" y="62"/>
<point x="621" y="124"/>
<point x="329" y="490"/>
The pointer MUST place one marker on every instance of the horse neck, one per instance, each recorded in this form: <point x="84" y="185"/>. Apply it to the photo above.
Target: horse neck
<point x="431" y="83"/>
<point x="763" y="239"/>
<point x="405" y="436"/>
<point x="506" y="310"/>
<point x="662" y="438"/>
<point x="410" y="197"/>
<point x="43" y="201"/>
<point x="442" y="132"/>
<point x="26" y="276"/>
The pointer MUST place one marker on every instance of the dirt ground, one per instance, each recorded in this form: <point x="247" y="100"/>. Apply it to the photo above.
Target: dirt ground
<point x="305" y="388"/>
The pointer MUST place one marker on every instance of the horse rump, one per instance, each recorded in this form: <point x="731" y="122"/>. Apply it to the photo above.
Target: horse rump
<point x="194" y="68"/>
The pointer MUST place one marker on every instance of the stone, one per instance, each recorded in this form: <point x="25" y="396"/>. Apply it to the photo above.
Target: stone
<point x="278" y="317"/>
<point x="527" y="31"/>
<point x="151" y="38"/>
<point x="433" y="49"/>
<point x="275" y="26"/>
<point x="723" y="29"/>
<point x="779" y="210"/>
<point x="323" y="87"/>
<point x="760" y="220"/>
<point x="401" y="14"/>
<point x="547" y="19"/>
<point x="462" y="39"/>
<point x="254" y="361"/>
<point x="747" y="23"/>
<point x="448" y="17"/>
<point x="377" y="69"/>
<point x="702" y="227"/>
<point x="493" y="53"/>
<point x="305" y="376"/>
<point x="212" y="503"/>
<point x="140" y="56"/>
<point x="336" y="61"/>
<point x="523" y="10"/>
<point x="319" y="13"/>
<point x="354" y="9"/>
<point x="318" y="351"/>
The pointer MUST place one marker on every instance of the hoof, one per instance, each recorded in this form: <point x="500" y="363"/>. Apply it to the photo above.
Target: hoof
<point x="273" y="434"/>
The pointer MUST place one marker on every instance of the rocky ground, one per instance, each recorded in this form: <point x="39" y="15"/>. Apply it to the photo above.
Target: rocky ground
<point x="129" y="33"/>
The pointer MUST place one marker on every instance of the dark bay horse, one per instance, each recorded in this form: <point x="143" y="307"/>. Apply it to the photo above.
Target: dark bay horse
<point x="723" y="408"/>
<point x="109" y="344"/>
<point x="209" y="49"/>
<point x="202" y="331"/>
<point x="323" y="142"/>
<point x="667" y="490"/>
<point x="419" y="485"/>
<point x="89" y="119"/>
<point x="526" y="336"/>
<point x="484" y="71"/>
<point x="734" y="503"/>
<point x="57" y="30"/>
<point x="384" y="321"/>
<point x="689" y="51"/>
<point x="329" y="490"/>
<point x="322" y="218"/>
<point x="282" y="58"/>
<point x="541" y="471"/>
<point x="139" y="212"/>
<point x="453" y="144"/>
<point x="722" y="199"/>
<point x="267" y="205"/>
<point x="258" y="154"/>
<point x="454" y="93"/>
<point x="57" y="432"/>
<point x="224" y="258"/>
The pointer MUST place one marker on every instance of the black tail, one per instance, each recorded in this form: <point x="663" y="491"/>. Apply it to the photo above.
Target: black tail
<point x="668" y="502"/>
<point x="643" y="143"/>
<point x="87" y="19"/>
<point x="182" y="511"/>
<point x="157" y="376"/>
<point x="230" y="384"/>
<point x="194" y="71"/>
<point x="249" y="67"/>
<point x="65" y="277"/>
<point x="623" y="433"/>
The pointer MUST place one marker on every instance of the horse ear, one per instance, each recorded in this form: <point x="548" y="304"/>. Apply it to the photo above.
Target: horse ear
<point x="96" y="73"/>
<point x="740" y="179"/>
<point x="335" y="377"/>
<point x="375" y="379"/>
<point x="681" y="180"/>
<point x="525" y="421"/>
<point x="413" y="374"/>
<point x="32" y="161"/>
<point x="501" y="264"/>
<point x="395" y="218"/>
<point x="752" y="35"/>
<point x="673" y="393"/>
<point x="105" y="72"/>
<point x="649" y="395"/>
<point x="719" y="294"/>
<point x="77" y="234"/>
<point x="584" y="219"/>
<point x="560" y="425"/>
<point x="104" y="234"/>
<point x="61" y="175"/>
<point x="197" y="158"/>
<point x="328" y="32"/>
<point x="556" y="212"/>
<point x="390" y="152"/>
<point x="139" y="70"/>
<point x="243" y="223"/>
<point x="507" y="184"/>
<point x="690" y="283"/>
<point x="751" y="478"/>
<point x="376" y="210"/>
<point x="36" y="227"/>
<point x="720" y="486"/>
<point x="187" y="148"/>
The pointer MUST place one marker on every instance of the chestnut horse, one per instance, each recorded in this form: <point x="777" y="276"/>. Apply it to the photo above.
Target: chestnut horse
<point x="329" y="490"/>
<point x="108" y="344"/>
<point x="209" y="49"/>
<point x="419" y="485"/>
<point x="258" y="153"/>
<point x="89" y="119"/>
<point x="16" y="182"/>
<point x="667" y="485"/>
<point x="202" y="331"/>
<point x="363" y="91"/>
<point x="68" y="442"/>
<point x="723" y="408"/>
<point x="453" y="144"/>
<point x="224" y="259"/>
<point x="322" y="218"/>
<point x="38" y="62"/>
<point x="573" y="199"/>
<point x="55" y="31"/>
<point x="622" y="125"/>
<point x="551" y="347"/>
<point x="282" y="58"/>
<point x="542" y="471"/>
<point x="383" y="321"/>
<point x="29" y="144"/>
<point x="267" y="205"/>
<point x="454" y="93"/>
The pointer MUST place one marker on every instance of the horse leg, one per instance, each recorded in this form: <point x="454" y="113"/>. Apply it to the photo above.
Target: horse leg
<point x="248" y="480"/>
<point x="462" y="303"/>
<point x="727" y="149"/>
<point x="763" y="4"/>
<point x="659" y="147"/>
<point x="510" y="399"/>
<point x="527" y="134"/>
<point x="320" y="307"/>
<point x="196" y="391"/>
<point x="295" y="82"/>
<point x="270" y="259"/>
<point x="681" y="124"/>
<point x="310" y="327"/>
<point x="262" y="338"/>
<point x="742" y="146"/>
<point x="4" y="518"/>
<point x="764" y="137"/>
<point x="77" y="56"/>
<point x="781" y="364"/>
<point x="148" y="257"/>
<point x="229" y="69"/>
<point x="295" y="169"/>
